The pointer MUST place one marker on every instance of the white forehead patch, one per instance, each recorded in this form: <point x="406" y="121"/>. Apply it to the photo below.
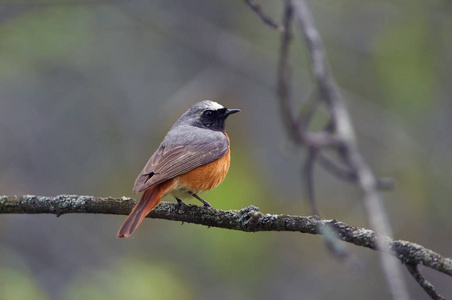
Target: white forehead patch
<point x="214" y="105"/>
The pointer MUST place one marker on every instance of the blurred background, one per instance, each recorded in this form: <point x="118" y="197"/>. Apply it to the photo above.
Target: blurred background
<point x="89" y="88"/>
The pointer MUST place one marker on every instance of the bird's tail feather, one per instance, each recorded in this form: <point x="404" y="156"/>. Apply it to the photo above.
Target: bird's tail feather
<point x="150" y="199"/>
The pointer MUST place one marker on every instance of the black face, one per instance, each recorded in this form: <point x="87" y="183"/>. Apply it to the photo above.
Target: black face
<point x="214" y="119"/>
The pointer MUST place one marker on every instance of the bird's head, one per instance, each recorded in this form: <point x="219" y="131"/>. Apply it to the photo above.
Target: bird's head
<point x="207" y="114"/>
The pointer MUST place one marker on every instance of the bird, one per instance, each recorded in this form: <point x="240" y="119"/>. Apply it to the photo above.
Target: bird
<point x="194" y="157"/>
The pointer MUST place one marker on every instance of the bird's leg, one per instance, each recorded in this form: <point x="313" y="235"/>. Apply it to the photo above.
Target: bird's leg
<point x="180" y="202"/>
<point x="206" y="204"/>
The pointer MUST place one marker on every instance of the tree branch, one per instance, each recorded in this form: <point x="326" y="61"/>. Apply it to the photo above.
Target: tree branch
<point x="248" y="219"/>
<point x="266" y="19"/>
<point x="339" y="134"/>
<point x="424" y="283"/>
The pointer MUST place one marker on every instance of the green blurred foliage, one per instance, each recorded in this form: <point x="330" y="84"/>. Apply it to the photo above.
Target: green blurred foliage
<point x="19" y="285"/>
<point x="404" y="65"/>
<point x="42" y="36"/>
<point x="132" y="279"/>
<point x="17" y="281"/>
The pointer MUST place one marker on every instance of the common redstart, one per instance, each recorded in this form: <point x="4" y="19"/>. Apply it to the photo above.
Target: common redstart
<point x="193" y="158"/>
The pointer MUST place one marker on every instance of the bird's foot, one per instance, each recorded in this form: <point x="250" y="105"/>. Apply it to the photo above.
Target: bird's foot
<point x="206" y="204"/>
<point x="180" y="203"/>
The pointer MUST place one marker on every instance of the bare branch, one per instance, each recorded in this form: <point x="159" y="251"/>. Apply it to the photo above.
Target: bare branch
<point x="292" y="121"/>
<point x="308" y="178"/>
<point x="267" y="20"/>
<point x="284" y="89"/>
<point x="347" y="147"/>
<point x="248" y="219"/>
<point x="345" y="173"/>
<point x="424" y="283"/>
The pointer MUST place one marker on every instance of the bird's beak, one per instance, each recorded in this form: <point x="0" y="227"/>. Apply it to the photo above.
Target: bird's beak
<point x="231" y="111"/>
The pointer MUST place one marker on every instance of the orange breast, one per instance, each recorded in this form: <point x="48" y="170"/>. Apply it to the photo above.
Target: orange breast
<point x="206" y="177"/>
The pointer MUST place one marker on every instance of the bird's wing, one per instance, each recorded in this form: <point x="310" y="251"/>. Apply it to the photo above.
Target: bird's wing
<point x="170" y="161"/>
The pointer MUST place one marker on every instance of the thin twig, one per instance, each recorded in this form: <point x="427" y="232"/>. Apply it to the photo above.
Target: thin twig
<point x="308" y="178"/>
<point x="337" y="169"/>
<point x="267" y="20"/>
<point x="292" y="121"/>
<point x="329" y="93"/>
<point x="345" y="173"/>
<point x="284" y="78"/>
<point x="424" y="283"/>
<point x="330" y="236"/>
<point x="298" y="125"/>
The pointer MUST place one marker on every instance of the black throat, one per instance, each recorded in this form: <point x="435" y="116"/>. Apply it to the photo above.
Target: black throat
<point x="214" y="119"/>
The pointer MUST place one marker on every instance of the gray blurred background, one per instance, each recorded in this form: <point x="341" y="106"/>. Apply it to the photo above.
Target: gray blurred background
<point x="88" y="89"/>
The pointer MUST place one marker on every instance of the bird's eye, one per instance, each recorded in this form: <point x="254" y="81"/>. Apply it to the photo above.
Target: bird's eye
<point x="209" y="114"/>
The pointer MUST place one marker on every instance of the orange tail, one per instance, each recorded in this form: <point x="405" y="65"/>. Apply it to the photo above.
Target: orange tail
<point x="150" y="199"/>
